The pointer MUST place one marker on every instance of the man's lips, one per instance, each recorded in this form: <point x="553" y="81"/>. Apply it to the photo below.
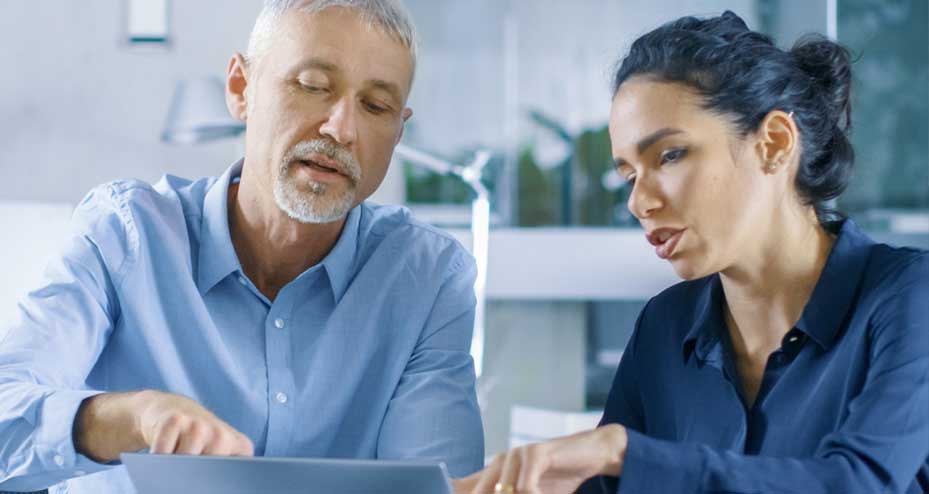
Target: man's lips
<point x="323" y="165"/>
<point x="318" y="167"/>
<point x="664" y="240"/>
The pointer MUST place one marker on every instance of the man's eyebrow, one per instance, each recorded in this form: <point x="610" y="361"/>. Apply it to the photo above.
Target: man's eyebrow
<point x="319" y="64"/>
<point x="649" y="141"/>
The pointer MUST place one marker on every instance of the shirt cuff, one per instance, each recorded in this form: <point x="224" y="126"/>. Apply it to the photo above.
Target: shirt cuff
<point x="55" y="440"/>
<point x="656" y="466"/>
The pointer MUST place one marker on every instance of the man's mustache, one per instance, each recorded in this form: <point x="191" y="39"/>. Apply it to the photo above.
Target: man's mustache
<point x="303" y="151"/>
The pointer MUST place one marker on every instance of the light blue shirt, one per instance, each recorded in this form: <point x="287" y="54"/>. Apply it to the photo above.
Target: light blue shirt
<point x="364" y="355"/>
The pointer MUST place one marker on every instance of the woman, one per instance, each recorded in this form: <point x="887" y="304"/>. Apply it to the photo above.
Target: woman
<point x="795" y="357"/>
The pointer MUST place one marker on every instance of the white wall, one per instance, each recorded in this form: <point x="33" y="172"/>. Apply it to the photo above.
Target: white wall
<point x="80" y="107"/>
<point x="31" y="232"/>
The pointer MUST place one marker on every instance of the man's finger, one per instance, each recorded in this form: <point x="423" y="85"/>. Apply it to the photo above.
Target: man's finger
<point x="244" y="446"/>
<point x="166" y="437"/>
<point x="194" y="439"/>
<point x="223" y="444"/>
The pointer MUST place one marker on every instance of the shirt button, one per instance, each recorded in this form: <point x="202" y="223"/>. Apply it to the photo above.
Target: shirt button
<point x="279" y="323"/>
<point x="793" y="339"/>
<point x="242" y="281"/>
<point x="59" y="460"/>
<point x="281" y="398"/>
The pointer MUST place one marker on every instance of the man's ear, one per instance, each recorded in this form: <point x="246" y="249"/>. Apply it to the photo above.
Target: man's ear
<point x="777" y="140"/>
<point x="405" y="115"/>
<point x="236" y="86"/>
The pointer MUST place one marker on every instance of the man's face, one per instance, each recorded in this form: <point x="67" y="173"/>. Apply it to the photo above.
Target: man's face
<point x="325" y="106"/>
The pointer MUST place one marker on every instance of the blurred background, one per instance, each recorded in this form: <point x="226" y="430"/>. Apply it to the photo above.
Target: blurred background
<point x="90" y="88"/>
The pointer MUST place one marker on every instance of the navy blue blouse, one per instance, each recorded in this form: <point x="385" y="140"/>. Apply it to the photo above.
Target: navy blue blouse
<point x="843" y="405"/>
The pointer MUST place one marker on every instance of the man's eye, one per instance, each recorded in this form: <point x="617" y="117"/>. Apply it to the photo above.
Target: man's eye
<point x="375" y="109"/>
<point x="313" y="88"/>
<point x="672" y="155"/>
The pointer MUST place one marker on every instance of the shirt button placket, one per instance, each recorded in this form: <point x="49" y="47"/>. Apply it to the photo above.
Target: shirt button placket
<point x="280" y="384"/>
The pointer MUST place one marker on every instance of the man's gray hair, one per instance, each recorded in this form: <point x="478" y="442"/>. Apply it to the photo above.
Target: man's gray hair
<point x="388" y="15"/>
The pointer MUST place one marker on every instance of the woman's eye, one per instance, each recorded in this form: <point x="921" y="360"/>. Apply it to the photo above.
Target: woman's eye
<point x="630" y="181"/>
<point x="672" y="155"/>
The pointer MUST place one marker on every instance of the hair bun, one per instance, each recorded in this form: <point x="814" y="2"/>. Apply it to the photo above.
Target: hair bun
<point x="829" y="66"/>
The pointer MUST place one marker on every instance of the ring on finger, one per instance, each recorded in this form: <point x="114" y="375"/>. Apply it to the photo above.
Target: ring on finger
<point x="502" y="488"/>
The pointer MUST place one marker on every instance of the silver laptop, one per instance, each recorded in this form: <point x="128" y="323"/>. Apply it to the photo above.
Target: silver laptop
<point x="179" y="474"/>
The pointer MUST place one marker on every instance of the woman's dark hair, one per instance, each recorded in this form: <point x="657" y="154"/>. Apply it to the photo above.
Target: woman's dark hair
<point x="741" y="74"/>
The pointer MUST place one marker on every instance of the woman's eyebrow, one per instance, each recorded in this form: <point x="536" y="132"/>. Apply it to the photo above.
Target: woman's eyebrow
<point x="649" y="141"/>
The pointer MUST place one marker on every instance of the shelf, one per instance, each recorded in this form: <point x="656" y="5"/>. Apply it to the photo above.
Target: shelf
<point x="572" y="264"/>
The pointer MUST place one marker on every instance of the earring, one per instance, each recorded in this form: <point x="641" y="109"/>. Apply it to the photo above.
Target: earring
<point x="772" y="167"/>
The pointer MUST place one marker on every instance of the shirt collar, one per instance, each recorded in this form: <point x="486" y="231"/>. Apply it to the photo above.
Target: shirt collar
<point x="218" y="259"/>
<point x="822" y="316"/>
<point x="835" y="291"/>
<point x="703" y="335"/>
<point x="340" y="261"/>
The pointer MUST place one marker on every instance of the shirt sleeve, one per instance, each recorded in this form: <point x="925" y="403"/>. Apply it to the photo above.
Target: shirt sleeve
<point x="433" y="414"/>
<point x="54" y="340"/>
<point x="879" y="447"/>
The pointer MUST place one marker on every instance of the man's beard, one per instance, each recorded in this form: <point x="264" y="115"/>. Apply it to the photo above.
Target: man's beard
<point x="309" y="201"/>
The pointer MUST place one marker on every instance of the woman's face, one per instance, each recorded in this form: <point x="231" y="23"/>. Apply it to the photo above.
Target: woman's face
<point x="698" y="188"/>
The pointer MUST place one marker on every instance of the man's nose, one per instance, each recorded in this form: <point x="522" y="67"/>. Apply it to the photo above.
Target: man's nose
<point x="340" y="126"/>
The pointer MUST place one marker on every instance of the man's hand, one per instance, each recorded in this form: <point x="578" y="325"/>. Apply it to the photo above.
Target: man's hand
<point x="109" y="424"/>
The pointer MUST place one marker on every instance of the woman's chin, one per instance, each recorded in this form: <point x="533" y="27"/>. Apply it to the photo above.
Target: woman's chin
<point x="687" y="269"/>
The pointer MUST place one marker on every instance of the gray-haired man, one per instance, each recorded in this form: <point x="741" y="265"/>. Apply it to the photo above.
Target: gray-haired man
<point x="269" y="311"/>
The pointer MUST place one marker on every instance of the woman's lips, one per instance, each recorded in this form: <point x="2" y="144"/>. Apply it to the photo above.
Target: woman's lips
<point x="665" y="240"/>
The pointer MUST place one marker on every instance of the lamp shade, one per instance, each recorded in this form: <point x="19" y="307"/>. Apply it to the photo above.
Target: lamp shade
<point x="198" y="113"/>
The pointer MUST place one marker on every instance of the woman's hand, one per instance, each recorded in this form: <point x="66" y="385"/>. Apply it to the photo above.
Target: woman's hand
<point x="555" y="467"/>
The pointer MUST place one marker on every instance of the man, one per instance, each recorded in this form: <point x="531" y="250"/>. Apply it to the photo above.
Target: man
<point x="269" y="311"/>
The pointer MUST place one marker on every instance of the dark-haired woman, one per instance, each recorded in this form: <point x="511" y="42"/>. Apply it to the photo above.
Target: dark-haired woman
<point x="795" y="358"/>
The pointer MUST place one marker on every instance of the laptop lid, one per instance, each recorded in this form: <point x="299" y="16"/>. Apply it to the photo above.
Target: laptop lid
<point x="159" y="474"/>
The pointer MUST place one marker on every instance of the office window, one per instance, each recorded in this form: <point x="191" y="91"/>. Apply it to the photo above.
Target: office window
<point x="890" y="188"/>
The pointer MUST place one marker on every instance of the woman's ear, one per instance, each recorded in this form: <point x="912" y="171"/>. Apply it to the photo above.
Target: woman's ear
<point x="778" y="138"/>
